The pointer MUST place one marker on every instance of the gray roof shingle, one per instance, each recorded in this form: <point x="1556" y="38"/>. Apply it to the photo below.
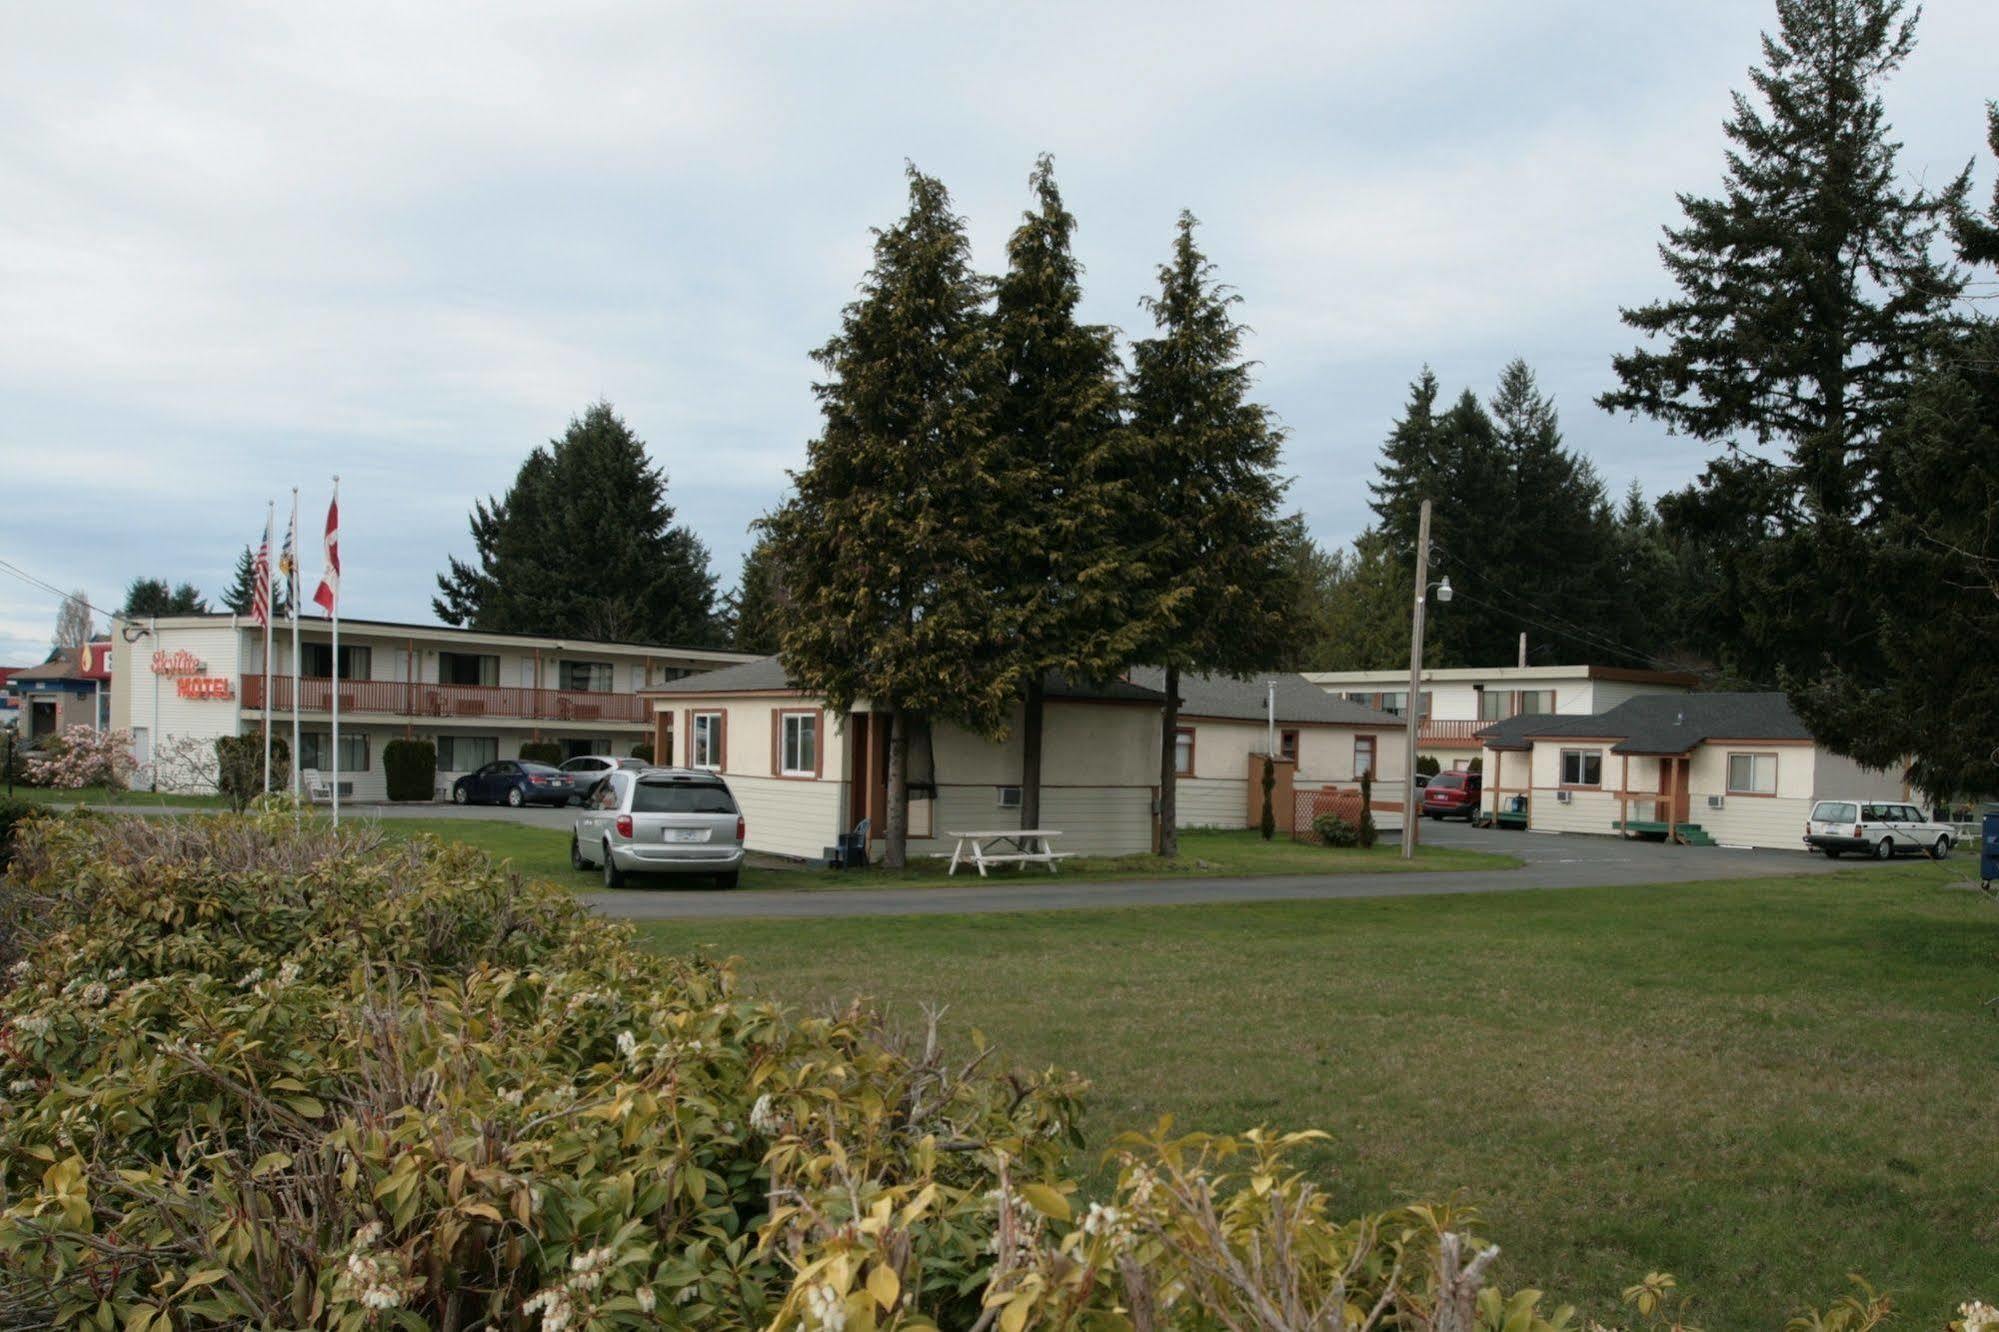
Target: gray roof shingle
<point x="1661" y="723"/>
<point x="1298" y="699"/>
<point x="768" y="673"/>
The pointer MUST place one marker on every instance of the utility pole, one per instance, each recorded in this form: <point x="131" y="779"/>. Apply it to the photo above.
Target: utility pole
<point x="1409" y="711"/>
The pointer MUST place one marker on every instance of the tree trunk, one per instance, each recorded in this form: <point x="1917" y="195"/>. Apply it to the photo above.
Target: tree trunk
<point x="1169" y="833"/>
<point x="1030" y="756"/>
<point x="895" y="839"/>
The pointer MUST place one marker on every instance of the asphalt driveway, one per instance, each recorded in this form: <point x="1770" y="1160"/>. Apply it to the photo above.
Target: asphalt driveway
<point x="1552" y="861"/>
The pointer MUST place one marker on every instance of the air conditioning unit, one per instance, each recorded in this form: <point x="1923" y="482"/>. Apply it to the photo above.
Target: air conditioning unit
<point x="1563" y="797"/>
<point x="1714" y="802"/>
<point x="1009" y="797"/>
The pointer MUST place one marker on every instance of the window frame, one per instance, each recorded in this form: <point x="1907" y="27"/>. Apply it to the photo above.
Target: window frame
<point x="1505" y="699"/>
<point x="788" y="720"/>
<point x="589" y="668"/>
<point x="349" y="652"/>
<point x="455" y="741"/>
<point x="1728" y="773"/>
<point x="1581" y="781"/>
<point x="1289" y="743"/>
<point x="711" y="734"/>
<point x="321" y="740"/>
<point x="1373" y="768"/>
<point x="1188" y="733"/>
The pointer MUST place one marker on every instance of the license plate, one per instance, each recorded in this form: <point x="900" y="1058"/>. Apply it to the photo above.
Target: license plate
<point x="683" y="834"/>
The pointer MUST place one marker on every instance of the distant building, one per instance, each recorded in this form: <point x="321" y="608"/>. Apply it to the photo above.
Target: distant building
<point x="71" y="688"/>
<point x="477" y="696"/>
<point x="1457" y="701"/>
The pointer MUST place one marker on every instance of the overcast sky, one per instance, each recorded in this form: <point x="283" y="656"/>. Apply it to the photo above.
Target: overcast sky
<point x="244" y="249"/>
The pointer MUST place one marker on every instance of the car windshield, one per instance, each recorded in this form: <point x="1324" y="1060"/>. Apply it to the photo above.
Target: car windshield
<point x="682" y="798"/>
<point x="1451" y="781"/>
<point x="1833" y="811"/>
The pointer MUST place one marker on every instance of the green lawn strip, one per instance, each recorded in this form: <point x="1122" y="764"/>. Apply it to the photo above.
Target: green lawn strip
<point x="98" y="795"/>
<point x="1204" y="853"/>
<point x="1758" y="1085"/>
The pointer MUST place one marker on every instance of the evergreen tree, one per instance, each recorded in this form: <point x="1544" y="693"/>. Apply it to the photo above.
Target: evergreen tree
<point x="152" y="596"/>
<point x="1807" y="293"/>
<point x="1057" y="416"/>
<point x="1353" y="609"/>
<point x="1208" y="550"/>
<point x="243" y="585"/>
<point x="760" y="604"/>
<point x="892" y="532"/>
<point x="584" y="545"/>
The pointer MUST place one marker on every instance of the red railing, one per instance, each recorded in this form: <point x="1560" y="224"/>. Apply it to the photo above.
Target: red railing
<point x="1450" y="732"/>
<point x="397" y="699"/>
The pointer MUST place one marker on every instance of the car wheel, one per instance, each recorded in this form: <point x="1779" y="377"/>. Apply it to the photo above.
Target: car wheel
<point x="1885" y="850"/>
<point x="514" y="797"/>
<point x="613" y="876"/>
<point x="576" y="860"/>
<point x="1831" y="854"/>
<point x="729" y="880"/>
<point x="460" y="796"/>
<point x="1941" y="851"/>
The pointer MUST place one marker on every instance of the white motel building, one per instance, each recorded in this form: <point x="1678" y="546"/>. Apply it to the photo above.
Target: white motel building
<point x="477" y="696"/>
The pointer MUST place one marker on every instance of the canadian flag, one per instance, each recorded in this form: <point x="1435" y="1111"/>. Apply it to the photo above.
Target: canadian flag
<point x="328" y="591"/>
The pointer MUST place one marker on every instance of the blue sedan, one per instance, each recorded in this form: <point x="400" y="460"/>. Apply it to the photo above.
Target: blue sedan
<point x="512" y="782"/>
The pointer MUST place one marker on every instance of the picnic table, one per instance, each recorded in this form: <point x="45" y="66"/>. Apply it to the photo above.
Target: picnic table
<point x="1009" y="846"/>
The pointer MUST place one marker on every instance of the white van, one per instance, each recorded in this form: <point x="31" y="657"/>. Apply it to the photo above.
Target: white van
<point x="1878" y="828"/>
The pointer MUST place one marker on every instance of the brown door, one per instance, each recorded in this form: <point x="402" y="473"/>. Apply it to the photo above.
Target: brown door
<point x="1673" y="789"/>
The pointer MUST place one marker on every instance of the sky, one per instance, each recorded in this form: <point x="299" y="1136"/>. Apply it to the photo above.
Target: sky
<point x="246" y="248"/>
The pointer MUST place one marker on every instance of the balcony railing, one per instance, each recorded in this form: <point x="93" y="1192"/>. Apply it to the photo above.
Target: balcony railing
<point x="399" y="699"/>
<point x="1464" y="733"/>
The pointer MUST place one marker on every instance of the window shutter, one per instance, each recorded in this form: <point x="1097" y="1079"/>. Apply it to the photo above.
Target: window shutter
<point x="776" y="738"/>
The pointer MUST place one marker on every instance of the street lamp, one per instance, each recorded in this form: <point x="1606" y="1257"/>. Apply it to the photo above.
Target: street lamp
<point x="1412" y="703"/>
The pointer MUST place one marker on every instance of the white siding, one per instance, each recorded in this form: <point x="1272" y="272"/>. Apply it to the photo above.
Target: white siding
<point x="1586" y="811"/>
<point x="788" y="818"/>
<point x="1836" y="777"/>
<point x="1094" y="821"/>
<point x="1211" y="802"/>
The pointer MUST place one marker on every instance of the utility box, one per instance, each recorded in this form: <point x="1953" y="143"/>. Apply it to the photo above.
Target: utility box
<point x="1988" y="850"/>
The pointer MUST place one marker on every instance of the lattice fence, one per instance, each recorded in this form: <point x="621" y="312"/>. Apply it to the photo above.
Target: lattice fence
<point x="1309" y="803"/>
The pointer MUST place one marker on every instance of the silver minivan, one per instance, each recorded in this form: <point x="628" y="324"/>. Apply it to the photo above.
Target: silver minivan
<point x="660" y="821"/>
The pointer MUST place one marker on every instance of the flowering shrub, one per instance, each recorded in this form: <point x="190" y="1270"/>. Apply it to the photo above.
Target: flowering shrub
<point x="260" y="1077"/>
<point x="80" y="756"/>
<point x="184" y="763"/>
<point x="1335" y="831"/>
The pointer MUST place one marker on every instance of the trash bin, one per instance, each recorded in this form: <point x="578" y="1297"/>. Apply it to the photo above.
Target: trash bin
<point x="1988" y="850"/>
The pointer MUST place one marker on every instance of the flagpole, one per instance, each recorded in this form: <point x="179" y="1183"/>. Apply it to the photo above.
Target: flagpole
<point x="264" y="572"/>
<point x="334" y="611"/>
<point x="291" y="604"/>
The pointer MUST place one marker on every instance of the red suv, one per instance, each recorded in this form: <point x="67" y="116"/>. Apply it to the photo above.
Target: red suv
<point x="1452" y="793"/>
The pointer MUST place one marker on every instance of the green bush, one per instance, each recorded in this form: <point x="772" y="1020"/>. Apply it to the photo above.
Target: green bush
<point x="643" y="751"/>
<point x="1427" y="765"/>
<point x="540" y="751"/>
<point x="409" y="768"/>
<point x="1335" y="831"/>
<point x="12" y="814"/>
<point x="239" y="766"/>
<point x="263" y="1076"/>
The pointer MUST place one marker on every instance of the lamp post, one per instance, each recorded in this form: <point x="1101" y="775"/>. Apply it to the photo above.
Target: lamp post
<point x="1412" y="704"/>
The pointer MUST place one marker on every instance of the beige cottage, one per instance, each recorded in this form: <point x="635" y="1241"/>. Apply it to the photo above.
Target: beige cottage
<point x="1225" y="728"/>
<point x="1738" y="769"/>
<point x="804" y="774"/>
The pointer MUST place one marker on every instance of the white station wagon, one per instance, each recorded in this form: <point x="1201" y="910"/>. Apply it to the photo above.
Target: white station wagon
<point x="660" y="821"/>
<point x="1878" y="828"/>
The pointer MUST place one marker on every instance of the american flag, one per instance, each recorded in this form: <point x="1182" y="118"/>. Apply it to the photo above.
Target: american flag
<point x="260" y="580"/>
<point x="329" y="582"/>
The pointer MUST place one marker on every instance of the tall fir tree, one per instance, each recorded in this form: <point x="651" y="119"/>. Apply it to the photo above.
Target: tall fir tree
<point x="1056" y="420"/>
<point x="760" y="604"/>
<point x="1209" y="552"/>
<point x="890" y="536"/>
<point x="1353" y="609"/>
<point x="153" y="596"/>
<point x="1807" y="293"/>
<point x="584" y="545"/>
<point x="243" y="585"/>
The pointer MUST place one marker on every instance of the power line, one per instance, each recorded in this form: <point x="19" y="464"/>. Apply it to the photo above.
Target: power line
<point x="46" y="586"/>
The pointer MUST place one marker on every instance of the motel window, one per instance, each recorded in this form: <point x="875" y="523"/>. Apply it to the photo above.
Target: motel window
<point x="315" y="751"/>
<point x="1582" y="767"/>
<point x="1183" y="751"/>
<point x="468" y="668"/>
<point x="1395" y="704"/>
<point x="1752" y="774"/>
<point x="466" y="753"/>
<point x="1535" y="703"/>
<point x="1363" y="755"/>
<point x="1287" y="745"/>
<point x="799" y="744"/>
<point x="705" y="741"/>
<point x="315" y="661"/>
<point x="1495" y="704"/>
<point x="588" y="676"/>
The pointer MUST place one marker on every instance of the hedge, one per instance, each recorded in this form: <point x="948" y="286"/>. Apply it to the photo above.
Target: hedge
<point x="239" y="766"/>
<point x="410" y="769"/>
<point x="267" y="1076"/>
<point x="540" y="751"/>
<point x="643" y="751"/>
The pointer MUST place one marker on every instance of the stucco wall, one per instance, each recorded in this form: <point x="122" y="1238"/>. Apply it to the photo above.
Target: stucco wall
<point x="1836" y="777"/>
<point x="156" y="715"/>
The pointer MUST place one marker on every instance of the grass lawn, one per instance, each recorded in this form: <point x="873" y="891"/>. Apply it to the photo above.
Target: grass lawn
<point x="544" y="853"/>
<point x="1759" y="1085"/>
<point x="98" y="795"/>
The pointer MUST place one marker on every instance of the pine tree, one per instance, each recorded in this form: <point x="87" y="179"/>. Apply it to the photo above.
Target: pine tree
<point x="1057" y="416"/>
<point x="1208" y="551"/>
<point x="760" y="603"/>
<point x="1807" y="293"/>
<point x="1407" y="470"/>
<point x="584" y="545"/>
<point x="152" y="596"/>
<point x="243" y="585"/>
<point x="893" y="528"/>
<point x="1353" y="609"/>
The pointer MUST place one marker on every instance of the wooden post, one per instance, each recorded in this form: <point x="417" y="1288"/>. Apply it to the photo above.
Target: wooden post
<point x="1030" y="754"/>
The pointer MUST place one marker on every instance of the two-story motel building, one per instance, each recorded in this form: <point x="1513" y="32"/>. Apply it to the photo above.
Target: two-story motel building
<point x="477" y="696"/>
